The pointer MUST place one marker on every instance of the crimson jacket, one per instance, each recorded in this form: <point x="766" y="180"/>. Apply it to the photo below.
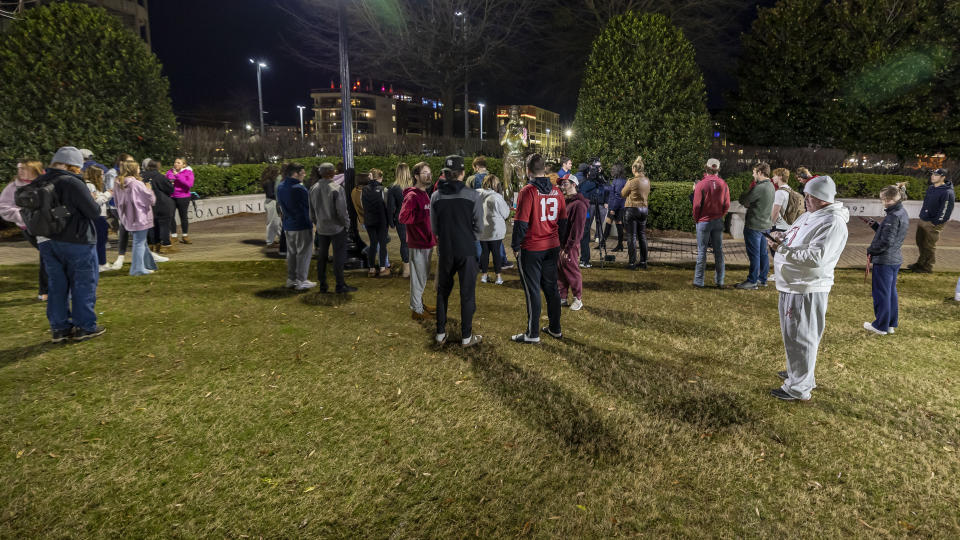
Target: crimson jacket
<point x="711" y="198"/>
<point x="415" y="214"/>
<point x="577" y="209"/>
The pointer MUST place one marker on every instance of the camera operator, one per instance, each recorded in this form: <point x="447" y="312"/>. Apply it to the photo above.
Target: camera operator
<point x="594" y="189"/>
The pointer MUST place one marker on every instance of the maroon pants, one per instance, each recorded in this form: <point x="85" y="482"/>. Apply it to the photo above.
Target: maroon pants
<point x="569" y="276"/>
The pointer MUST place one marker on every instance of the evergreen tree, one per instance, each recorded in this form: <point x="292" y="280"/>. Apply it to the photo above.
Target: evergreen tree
<point x="643" y="94"/>
<point x="72" y="75"/>
<point x="864" y="75"/>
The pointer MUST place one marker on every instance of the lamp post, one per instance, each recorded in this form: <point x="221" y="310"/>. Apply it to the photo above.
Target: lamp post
<point x="568" y="133"/>
<point x="481" y="105"/>
<point x="549" y="146"/>
<point x="301" y="107"/>
<point x="260" y="65"/>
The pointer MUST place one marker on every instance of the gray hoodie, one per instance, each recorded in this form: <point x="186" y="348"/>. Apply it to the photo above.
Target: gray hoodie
<point x="495" y="214"/>
<point x="328" y="207"/>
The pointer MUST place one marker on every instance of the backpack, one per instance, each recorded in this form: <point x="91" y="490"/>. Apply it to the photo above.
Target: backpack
<point x="40" y="208"/>
<point x="795" y="207"/>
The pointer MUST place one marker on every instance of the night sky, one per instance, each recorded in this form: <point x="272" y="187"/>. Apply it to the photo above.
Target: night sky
<point x="205" y="45"/>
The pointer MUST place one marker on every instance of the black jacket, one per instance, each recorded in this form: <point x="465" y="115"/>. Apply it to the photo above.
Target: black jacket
<point x="938" y="203"/>
<point x="162" y="188"/>
<point x="74" y="194"/>
<point x="374" y="208"/>
<point x="394" y="202"/>
<point x="456" y="217"/>
<point x="885" y="248"/>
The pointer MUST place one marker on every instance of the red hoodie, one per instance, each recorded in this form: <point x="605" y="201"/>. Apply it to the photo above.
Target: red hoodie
<point x="415" y="214"/>
<point x="711" y="198"/>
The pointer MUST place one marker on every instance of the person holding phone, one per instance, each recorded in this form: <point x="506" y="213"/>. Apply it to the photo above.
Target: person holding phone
<point x="886" y="257"/>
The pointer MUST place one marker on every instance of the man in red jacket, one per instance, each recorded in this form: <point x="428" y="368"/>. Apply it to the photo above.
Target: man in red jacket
<point x="711" y="201"/>
<point x="570" y="277"/>
<point x="415" y="214"/>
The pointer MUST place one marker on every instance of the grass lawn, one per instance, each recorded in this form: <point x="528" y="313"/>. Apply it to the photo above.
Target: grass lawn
<point x="220" y="404"/>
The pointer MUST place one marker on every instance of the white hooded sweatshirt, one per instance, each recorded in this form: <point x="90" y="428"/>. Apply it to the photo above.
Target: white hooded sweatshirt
<point x="805" y="261"/>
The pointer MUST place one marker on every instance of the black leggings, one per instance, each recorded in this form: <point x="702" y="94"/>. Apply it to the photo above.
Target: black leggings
<point x="491" y="247"/>
<point x="42" y="274"/>
<point x="635" y="221"/>
<point x="378" y="242"/>
<point x="160" y="233"/>
<point x="183" y="208"/>
<point x="402" y="234"/>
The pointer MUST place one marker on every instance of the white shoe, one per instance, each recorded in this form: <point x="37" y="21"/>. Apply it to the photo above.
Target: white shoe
<point x="499" y="281"/>
<point x="118" y="264"/>
<point x="290" y="284"/>
<point x="471" y="341"/>
<point x="576" y="305"/>
<point x="441" y="338"/>
<point x="564" y="303"/>
<point x="106" y="268"/>
<point x="870" y="328"/>
<point x="305" y="284"/>
<point x="484" y="279"/>
<point x="160" y="258"/>
<point x="891" y="330"/>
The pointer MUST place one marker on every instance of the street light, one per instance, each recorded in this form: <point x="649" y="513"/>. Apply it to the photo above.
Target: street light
<point x="548" y="141"/>
<point x="481" y="105"/>
<point x="301" y="107"/>
<point x="260" y="65"/>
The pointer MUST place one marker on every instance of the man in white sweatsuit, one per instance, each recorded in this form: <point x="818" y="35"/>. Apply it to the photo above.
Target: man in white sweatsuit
<point x="804" y="263"/>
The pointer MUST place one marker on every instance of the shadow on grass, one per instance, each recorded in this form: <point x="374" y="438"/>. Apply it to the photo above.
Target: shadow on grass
<point x="539" y="402"/>
<point x="660" y="389"/>
<point x="12" y="286"/>
<point x="15" y="354"/>
<point x="275" y="293"/>
<point x="254" y="242"/>
<point x="18" y="302"/>
<point x="325" y="299"/>
<point x="612" y="286"/>
<point x="543" y="404"/>
<point x="648" y="321"/>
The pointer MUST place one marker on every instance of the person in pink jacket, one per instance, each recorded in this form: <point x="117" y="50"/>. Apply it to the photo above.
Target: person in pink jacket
<point x="135" y="201"/>
<point x="27" y="171"/>
<point x="182" y="177"/>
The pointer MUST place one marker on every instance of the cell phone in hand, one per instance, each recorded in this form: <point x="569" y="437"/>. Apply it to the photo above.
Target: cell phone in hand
<point x="770" y="237"/>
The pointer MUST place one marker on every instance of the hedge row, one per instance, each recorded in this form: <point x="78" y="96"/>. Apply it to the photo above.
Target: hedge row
<point x="214" y="181"/>
<point x="849" y="185"/>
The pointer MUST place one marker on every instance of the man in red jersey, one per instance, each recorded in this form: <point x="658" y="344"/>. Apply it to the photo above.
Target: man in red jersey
<point x="537" y="226"/>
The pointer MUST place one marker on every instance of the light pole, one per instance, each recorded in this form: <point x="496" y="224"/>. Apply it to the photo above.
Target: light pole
<point x="568" y="133"/>
<point x="549" y="146"/>
<point x="301" y="107"/>
<point x="481" y="105"/>
<point x="260" y="65"/>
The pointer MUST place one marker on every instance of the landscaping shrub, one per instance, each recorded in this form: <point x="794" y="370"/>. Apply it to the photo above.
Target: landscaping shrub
<point x="849" y="185"/>
<point x="670" y="206"/>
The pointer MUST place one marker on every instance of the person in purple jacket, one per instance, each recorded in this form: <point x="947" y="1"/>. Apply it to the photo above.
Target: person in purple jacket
<point x="135" y="202"/>
<point x="182" y="177"/>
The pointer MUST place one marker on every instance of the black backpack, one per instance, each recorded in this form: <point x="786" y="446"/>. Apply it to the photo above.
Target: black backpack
<point x="40" y="208"/>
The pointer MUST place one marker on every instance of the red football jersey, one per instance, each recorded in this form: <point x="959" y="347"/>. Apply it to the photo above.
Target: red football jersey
<point x="542" y="214"/>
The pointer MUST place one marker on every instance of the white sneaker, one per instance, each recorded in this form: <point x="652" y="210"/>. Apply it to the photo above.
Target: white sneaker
<point x="484" y="279"/>
<point x="305" y="284"/>
<point x="891" y="330"/>
<point x="564" y="303"/>
<point x="118" y="264"/>
<point x="160" y="258"/>
<point x="499" y="281"/>
<point x="870" y="328"/>
<point x="106" y="268"/>
<point x="441" y="338"/>
<point x="471" y="341"/>
<point x="290" y="284"/>
<point x="576" y="305"/>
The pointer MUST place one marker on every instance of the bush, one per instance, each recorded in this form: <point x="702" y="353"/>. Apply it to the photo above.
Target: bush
<point x="214" y="181"/>
<point x="849" y="185"/>
<point x="72" y="75"/>
<point x="643" y="94"/>
<point x="670" y="206"/>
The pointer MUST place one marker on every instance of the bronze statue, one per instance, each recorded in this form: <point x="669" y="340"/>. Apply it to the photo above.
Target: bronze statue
<point x="514" y="141"/>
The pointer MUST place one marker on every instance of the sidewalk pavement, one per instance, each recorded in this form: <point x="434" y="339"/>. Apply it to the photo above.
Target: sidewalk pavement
<point x="241" y="237"/>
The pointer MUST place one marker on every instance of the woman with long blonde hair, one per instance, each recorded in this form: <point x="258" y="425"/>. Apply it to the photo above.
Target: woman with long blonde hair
<point x="135" y="202"/>
<point x="635" y="193"/>
<point x="403" y="180"/>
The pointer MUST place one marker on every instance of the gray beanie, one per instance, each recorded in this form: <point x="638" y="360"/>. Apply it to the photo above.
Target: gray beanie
<point x="68" y="155"/>
<point x="821" y="187"/>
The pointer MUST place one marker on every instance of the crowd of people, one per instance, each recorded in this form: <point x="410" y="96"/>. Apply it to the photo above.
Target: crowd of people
<point x="64" y="210"/>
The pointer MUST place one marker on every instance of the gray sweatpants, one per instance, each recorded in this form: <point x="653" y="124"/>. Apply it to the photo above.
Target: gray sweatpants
<point x="802" y="319"/>
<point x="419" y="272"/>
<point x="299" y="254"/>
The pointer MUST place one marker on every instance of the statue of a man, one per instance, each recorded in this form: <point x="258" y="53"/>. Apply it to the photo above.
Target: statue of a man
<point x="514" y="141"/>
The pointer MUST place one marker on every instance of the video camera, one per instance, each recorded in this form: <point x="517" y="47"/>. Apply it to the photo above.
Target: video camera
<point x="595" y="172"/>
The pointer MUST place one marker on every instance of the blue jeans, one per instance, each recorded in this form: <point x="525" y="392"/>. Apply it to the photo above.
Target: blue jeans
<point x="709" y="234"/>
<point x="757" y="252"/>
<point x="885" y="296"/>
<point x="142" y="259"/>
<point x="72" y="272"/>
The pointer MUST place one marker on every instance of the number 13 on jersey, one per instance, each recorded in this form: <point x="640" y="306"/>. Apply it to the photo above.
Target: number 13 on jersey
<point x="548" y="209"/>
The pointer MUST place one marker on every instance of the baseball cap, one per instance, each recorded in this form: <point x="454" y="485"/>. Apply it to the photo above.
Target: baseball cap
<point x="87" y="154"/>
<point x="940" y="172"/>
<point x="713" y="163"/>
<point x="453" y="162"/>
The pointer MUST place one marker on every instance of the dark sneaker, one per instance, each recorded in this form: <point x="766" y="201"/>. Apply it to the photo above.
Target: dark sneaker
<point x="746" y="285"/>
<point x="782" y="375"/>
<point x="551" y="333"/>
<point x="60" y="336"/>
<point x="699" y="285"/>
<point x="522" y="338"/>
<point x="918" y="270"/>
<point x="346" y="289"/>
<point x="83" y="335"/>
<point x="783" y="396"/>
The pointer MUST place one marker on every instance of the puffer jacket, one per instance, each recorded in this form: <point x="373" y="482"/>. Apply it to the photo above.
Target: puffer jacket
<point x="806" y="259"/>
<point x="891" y="232"/>
<point x="182" y="182"/>
<point x="495" y="214"/>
